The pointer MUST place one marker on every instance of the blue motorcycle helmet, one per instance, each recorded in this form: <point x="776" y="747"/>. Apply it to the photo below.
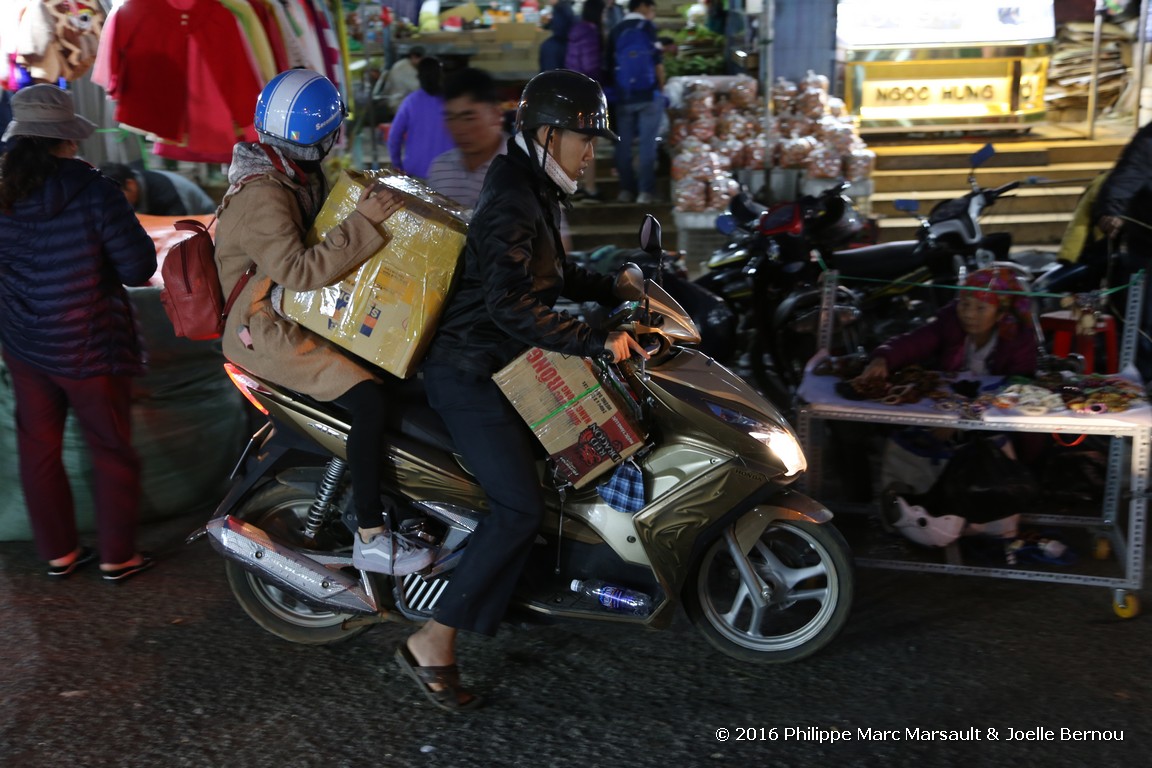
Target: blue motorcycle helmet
<point x="300" y="107"/>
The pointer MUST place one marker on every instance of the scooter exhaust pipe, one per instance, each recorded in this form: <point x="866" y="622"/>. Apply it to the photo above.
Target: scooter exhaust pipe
<point x="308" y="579"/>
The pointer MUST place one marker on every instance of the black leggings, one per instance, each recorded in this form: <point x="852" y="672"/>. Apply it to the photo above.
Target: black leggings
<point x="366" y="403"/>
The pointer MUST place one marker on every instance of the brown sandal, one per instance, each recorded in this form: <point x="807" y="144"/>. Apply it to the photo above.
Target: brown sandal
<point x="450" y="696"/>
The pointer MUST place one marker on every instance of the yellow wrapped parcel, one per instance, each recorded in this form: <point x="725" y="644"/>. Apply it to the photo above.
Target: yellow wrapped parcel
<point x="386" y="310"/>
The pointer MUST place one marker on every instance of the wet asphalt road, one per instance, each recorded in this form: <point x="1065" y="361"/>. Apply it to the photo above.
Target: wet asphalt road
<point x="166" y="670"/>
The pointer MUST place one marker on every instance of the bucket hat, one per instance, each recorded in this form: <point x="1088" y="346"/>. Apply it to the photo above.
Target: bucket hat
<point x="45" y="110"/>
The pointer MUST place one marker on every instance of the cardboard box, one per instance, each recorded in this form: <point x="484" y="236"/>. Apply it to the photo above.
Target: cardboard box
<point x="386" y="310"/>
<point x="578" y="420"/>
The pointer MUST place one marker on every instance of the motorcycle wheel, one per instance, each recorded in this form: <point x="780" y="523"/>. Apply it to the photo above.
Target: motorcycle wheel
<point x="280" y="511"/>
<point x="807" y="570"/>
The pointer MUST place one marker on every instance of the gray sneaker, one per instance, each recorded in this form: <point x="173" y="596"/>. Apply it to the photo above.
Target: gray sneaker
<point x="393" y="555"/>
<point x="624" y="196"/>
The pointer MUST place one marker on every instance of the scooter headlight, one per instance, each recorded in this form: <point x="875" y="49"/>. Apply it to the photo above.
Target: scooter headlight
<point x="779" y="441"/>
<point x="784" y="446"/>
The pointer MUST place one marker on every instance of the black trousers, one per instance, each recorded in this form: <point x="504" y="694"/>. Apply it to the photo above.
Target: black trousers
<point x="500" y="449"/>
<point x="365" y="450"/>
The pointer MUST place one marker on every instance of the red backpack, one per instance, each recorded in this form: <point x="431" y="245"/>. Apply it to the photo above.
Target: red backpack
<point x="191" y="295"/>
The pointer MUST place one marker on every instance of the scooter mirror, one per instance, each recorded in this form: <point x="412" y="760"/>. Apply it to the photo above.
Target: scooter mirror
<point x="650" y="235"/>
<point x="906" y="206"/>
<point x="630" y="282"/>
<point x="725" y="223"/>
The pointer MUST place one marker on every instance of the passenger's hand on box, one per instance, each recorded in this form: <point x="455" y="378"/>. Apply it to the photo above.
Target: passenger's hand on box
<point x="622" y="346"/>
<point x="1110" y="225"/>
<point x="378" y="202"/>
<point x="877" y="368"/>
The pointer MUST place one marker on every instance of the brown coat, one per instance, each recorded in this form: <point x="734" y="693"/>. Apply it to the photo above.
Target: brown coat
<point x="262" y="223"/>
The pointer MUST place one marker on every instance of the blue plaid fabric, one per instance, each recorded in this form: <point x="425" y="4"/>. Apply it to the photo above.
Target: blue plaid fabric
<point x="624" y="490"/>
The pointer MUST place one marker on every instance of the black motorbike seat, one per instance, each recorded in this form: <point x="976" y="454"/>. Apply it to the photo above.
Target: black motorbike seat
<point x="886" y="261"/>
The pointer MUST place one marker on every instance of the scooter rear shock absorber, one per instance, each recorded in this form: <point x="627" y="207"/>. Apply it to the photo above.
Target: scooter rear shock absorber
<point x="325" y="492"/>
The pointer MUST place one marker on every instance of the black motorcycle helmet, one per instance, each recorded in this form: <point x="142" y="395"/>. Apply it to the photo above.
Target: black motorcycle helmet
<point x="564" y="99"/>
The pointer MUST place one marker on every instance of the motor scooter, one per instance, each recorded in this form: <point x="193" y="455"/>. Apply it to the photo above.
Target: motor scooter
<point x="756" y="564"/>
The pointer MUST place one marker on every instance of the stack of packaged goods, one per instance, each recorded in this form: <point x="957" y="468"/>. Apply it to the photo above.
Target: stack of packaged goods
<point x="718" y="129"/>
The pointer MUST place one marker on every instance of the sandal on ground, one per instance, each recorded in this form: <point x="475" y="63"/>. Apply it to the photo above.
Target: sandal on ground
<point x="450" y="696"/>
<point x="84" y="556"/>
<point x="128" y="571"/>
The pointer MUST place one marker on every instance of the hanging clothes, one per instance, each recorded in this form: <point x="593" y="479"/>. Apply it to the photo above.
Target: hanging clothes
<point x="58" y="38"/>
<point x="180" y="70"/>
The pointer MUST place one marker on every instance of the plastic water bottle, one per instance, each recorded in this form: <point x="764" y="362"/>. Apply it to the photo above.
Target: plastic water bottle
<point x="613" y="597"/>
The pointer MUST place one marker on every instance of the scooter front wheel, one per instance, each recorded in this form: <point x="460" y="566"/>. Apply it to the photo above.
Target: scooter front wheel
<point x="782" y="600"/>
<point x="280" y="511"/>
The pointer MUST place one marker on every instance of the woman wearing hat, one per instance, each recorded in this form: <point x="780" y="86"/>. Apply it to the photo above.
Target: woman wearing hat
<point x="987" y="331"/>
<point x="69" y="243"/>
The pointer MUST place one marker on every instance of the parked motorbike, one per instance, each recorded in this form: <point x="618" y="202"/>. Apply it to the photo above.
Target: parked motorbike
<point x="885" y="289"/>
<point x="759" y="570"/>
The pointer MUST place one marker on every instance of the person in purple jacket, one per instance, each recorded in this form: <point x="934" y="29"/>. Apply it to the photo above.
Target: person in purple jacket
<point x="69" y="243"/>
<point x="419" y="134"/>
<point x="987" y="331"/>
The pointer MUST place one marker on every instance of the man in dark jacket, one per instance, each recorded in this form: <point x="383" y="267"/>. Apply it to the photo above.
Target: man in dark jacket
<point x="159" y="193"/>
<point x="69" y="242"/>
<point x="1124" y="213"/>
<point x="514" y="270"/>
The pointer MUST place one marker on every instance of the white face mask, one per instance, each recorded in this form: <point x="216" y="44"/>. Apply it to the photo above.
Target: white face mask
<point x="561" y="179"/>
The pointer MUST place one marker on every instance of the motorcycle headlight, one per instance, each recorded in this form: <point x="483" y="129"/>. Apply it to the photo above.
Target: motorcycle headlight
<point x="779" y="441"/>
<point x="784" y="446"/>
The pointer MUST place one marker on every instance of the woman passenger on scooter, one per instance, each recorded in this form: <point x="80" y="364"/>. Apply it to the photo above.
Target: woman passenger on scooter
<point x="514" y="270"/>
<point x="277" y="188"/>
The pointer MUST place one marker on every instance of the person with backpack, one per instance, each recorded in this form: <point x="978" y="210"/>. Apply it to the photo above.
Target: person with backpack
<point x="69" y="243"/>
<point x="636" y="73"/>
<point x="585" y="55"/>
<point x="277" y="189"/>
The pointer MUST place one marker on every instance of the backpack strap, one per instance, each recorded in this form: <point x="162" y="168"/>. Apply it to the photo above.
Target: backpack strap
<point x="235" y="294"/>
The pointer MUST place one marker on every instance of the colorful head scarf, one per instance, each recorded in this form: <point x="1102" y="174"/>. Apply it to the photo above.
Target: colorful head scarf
<point x="1000" y="287"/>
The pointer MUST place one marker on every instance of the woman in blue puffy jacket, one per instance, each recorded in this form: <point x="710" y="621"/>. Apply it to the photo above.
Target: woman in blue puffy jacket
<point x="69" y="243"/>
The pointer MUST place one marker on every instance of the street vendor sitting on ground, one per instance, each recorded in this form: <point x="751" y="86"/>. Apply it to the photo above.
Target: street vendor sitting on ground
<point x="986" y="331"/>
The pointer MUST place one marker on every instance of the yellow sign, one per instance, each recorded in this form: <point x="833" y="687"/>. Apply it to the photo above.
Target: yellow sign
<point x="949" y="92"/>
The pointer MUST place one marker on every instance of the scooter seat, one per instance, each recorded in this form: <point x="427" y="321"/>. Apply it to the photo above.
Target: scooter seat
<point x="886" y="261"/>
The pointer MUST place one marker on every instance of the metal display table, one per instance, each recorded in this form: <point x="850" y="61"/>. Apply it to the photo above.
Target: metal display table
<point x="820" y="402"/>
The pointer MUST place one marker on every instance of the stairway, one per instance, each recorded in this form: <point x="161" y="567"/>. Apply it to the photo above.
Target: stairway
<point x="1056" y="166"/>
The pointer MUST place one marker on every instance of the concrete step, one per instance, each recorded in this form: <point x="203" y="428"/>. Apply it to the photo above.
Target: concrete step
<point x="1034" y="228"/>
<point x="1044" y="199"/>
<point x="1032" y="154"/>
<point x="934" y="179"/>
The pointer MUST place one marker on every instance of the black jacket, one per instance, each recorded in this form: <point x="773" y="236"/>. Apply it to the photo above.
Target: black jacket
<point x="514" y="270"/>
<point x="1128" y="190"/>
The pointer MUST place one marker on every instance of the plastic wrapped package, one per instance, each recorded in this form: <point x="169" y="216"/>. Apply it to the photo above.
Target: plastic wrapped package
<point x="783" y="91"/>
<point x="703" y="127"/>
<point x="836" y="106"/>
<point x="731" y="153"/>
<point x="386" y="311"/>
<point x="721" y="189"/>
<point x="736" y="125"/>
<point x="699" y="97"/>
<point x="858" y="164"/>
<point x="811" y="102"/>
<point x="690" y="195"/>
<point x="813" y="80"/>
<point x="720" y="157"/>
<point x="794" y="152"/>
<point x="743" y="92"/>
<point x="838" y="135"/>
<point x="690" y="163"/>
<point x="825" y="163"/>
<point x="680" y="130"/>
<point x="759" y="149"/>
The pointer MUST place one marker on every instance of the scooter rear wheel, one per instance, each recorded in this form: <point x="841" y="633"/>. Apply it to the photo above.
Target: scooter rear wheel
<point x="280" y="511"/>
<point x="804" y="571"/>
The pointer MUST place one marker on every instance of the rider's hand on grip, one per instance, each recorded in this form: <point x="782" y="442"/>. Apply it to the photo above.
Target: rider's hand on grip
<point x="620" y="346"/>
